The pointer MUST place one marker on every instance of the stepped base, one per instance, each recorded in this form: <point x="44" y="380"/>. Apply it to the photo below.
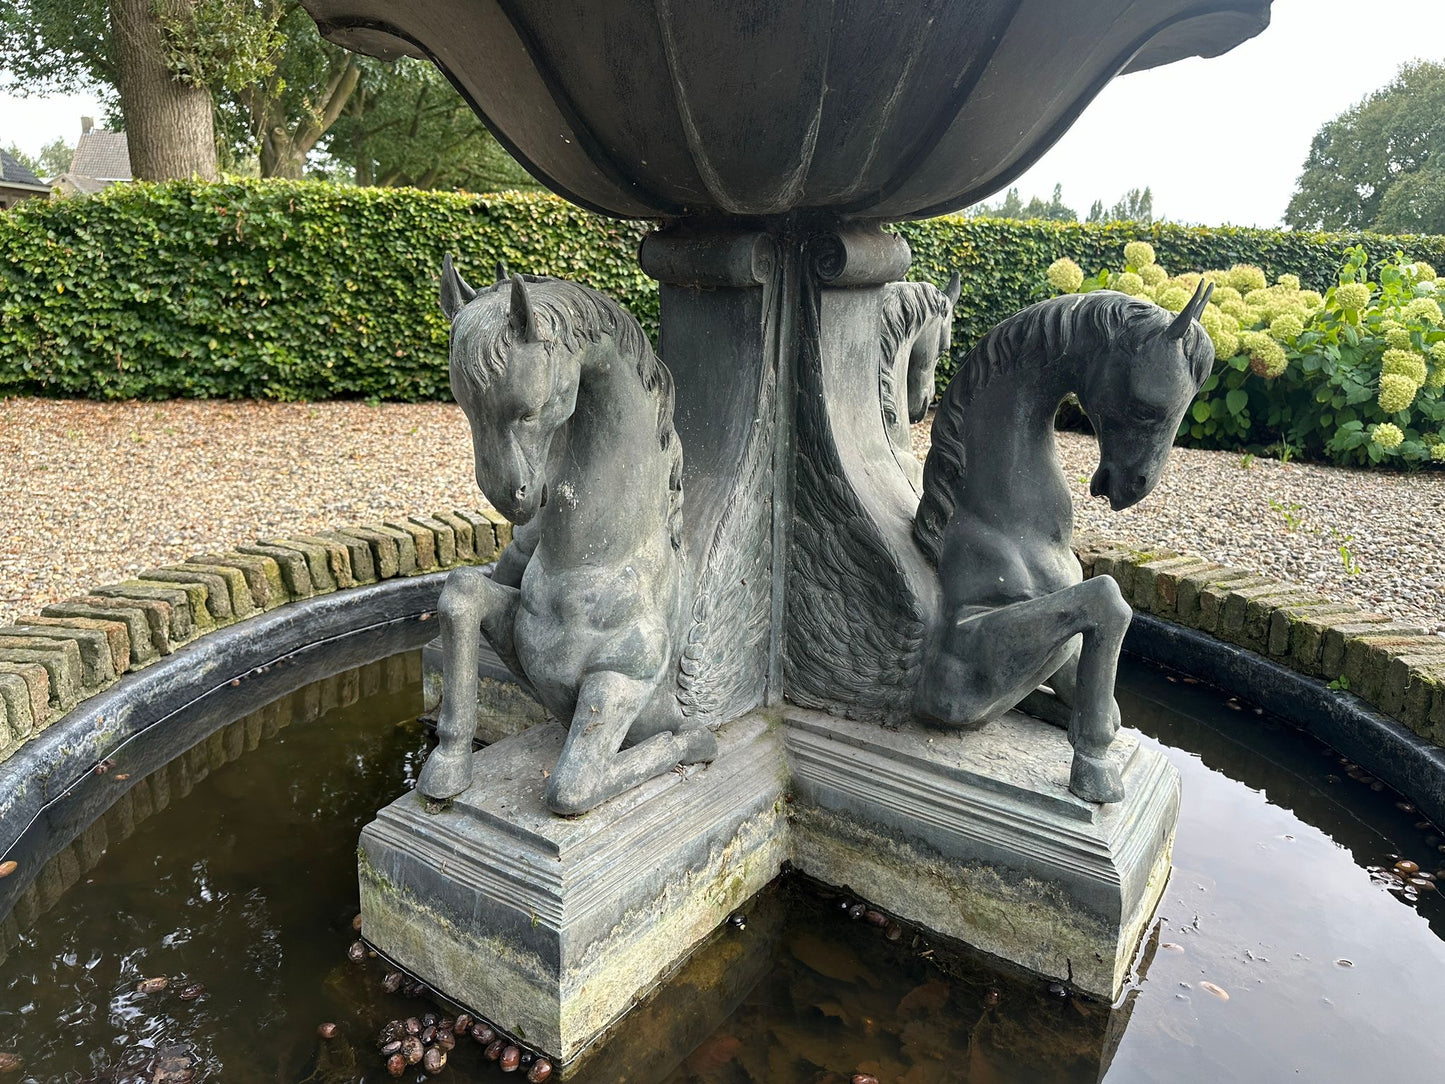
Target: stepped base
<point x="975" y="835"/>
<point x="554" y="927"/>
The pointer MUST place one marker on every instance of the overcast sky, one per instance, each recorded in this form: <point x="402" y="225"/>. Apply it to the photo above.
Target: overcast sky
<point x="1219" y="141"/>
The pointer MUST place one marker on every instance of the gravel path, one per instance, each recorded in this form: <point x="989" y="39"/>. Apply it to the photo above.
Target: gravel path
<point x="94" y="492"/>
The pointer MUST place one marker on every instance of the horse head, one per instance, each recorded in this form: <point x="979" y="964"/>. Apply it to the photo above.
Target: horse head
<point x="514" y="389"/>
<point x="1137" y="397"/>
<point x="934" y="340"/>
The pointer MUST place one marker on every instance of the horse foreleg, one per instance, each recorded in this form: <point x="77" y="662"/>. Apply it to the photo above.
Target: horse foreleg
<point x="593" y="766"/>
<point x="991" y="660"/>
<point x="470" y="605"/>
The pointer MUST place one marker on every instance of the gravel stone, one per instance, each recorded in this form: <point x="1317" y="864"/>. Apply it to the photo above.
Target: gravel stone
<point x="95" y="493"/>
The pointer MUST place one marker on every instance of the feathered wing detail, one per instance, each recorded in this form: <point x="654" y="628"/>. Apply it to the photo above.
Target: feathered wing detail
<point x="723" y="667"/>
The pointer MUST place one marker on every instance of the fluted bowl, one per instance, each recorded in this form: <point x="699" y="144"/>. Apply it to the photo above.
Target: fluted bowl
<point x="887" y="109"/>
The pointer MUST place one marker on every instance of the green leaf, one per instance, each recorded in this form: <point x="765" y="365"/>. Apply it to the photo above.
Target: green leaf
<point x="1237" y="399"/>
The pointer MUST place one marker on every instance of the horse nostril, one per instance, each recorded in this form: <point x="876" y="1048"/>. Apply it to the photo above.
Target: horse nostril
<point x="520" y="493"/>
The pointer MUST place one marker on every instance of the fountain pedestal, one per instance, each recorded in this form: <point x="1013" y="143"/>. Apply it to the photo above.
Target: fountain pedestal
<point x="551" y="927"/>
<point x="976" y="836"/>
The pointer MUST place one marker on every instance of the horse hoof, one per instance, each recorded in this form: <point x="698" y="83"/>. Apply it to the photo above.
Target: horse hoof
<point x="1094" y="779"/>
<point x="444" y="777"/>
<point x="568" y="801"/>
<point x="698" y="747"/>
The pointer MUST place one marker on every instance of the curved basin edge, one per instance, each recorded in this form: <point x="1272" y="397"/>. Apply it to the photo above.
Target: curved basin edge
<point x="1382" y="746"/>
<point x="218" y="676"/>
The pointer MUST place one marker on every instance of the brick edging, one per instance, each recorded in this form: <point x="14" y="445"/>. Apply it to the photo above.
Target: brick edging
<point x="77" y="648"/>
<point x="1396" y="668"/>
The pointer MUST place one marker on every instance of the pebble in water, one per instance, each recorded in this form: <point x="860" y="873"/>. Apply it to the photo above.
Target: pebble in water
<point x="391" y="1031"/>
<point x="447" y="1040"/>
<point x="396" y="1065"/>
<point x="1170" y="946"/>
<point x="392" y="983"/>
<point x="429" y="1034"/>
<point x="327" y="1030"/>
<point x="1407" y="867"/>
<point x="412" y="1025"/>
<point x="390" y="1048"/>
<point x="864" y="1078"/>
<point x="356" y="923"/>
<point x="357" y="952"/>
<point x="738" y="921"/>
<point x="894" y="931"/>
<point x="9" y="1062"/>
<point x="1058" y="990"/>
<point x="429" y="1020"/>
<point x="190" y="992"/>
<point x="8" y="867"/>
<point x="991" y="998"/>
<point x="1344" y="963"/>
<point x="152" y="986"/>
<point x="857" y="911"/>
<point x="1217" y="991"/>
<point x="412" y="1049"/>
<point x="462" y="1024"/>
<point x="541" y="1070"/>
<point x="876" y="918"/>
<point x="511" y="1057"/>
<point x="434" y="1060"/>
<point x="483" y="1034"/>
<point x="494" y="1049"/>
<point x="527" y="1059"/>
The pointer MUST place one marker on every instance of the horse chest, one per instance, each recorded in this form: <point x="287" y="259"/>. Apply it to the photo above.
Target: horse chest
<point x="988" y="566"/>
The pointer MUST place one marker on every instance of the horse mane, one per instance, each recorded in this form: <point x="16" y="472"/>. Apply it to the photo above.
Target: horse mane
<point x="571" y="316"/>
<point x="907" y="306"/>
<point x="1041" y="335"/>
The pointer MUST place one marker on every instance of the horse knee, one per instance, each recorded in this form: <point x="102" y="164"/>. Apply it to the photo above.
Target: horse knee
<point x="462" y="595"/>
<point x="1113" y="611"/>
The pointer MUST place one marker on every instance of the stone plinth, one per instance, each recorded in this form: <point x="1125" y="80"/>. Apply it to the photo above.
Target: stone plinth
<point x="976" y="836"/>
<point x="553" y="927"/>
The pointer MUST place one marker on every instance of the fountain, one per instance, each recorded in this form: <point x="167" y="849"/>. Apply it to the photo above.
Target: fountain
<point x="716" y="564"/>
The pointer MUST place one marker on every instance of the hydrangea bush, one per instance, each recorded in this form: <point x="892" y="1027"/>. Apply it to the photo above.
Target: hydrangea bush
<point x="1353" y="375"/>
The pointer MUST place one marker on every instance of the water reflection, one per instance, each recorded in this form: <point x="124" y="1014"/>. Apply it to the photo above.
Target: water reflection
<point x="232" y="868"/>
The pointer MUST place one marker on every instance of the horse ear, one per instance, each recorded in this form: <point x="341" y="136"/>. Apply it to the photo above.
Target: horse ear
<point x="522" y="318"/>
<point x="1191" y="311"/>
<point x="955" y="287"/>
<point x="455" y="292"/>
<point x="502" y="275"/>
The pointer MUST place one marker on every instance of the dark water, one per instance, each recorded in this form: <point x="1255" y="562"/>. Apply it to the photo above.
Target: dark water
<point x="233" y="867"/>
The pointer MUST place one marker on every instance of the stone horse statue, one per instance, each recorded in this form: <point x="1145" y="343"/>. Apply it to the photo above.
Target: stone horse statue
<point x="571" y="420"/>
<point x="996" y="514"/>
<point x="915" y="330"/>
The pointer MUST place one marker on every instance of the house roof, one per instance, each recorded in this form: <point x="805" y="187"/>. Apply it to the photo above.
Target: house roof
<point x="103" y="155"/>
<point x="75" y="184"/>
<point x="13" y="173"/>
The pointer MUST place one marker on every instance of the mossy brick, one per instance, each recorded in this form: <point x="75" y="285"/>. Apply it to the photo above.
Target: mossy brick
<point x="315" y="560"/>
<point x="1244" y="619"/>
<point x="1118" y="563"/>
<point x="444" y="537"/>
<point x="1213" y="595"/>
<point x="1367" y="661"/>
<point x="1348" y="641"/>
<point x="1408" y="660"/>
<point x="291" y="568"/>
<point x="337" y="558"/>
<point x="1164" y="574"/>
<point x="218" y="593"/>
<point x="147" y="623"/>
<point x="466" y="537"/>
<point x="237" y="587"/>
<point x="1087" y="547"/>
<point x="406" y="556"/>
<point x="98" y="665"/>
<point x="1187" y="606"/>
<point x="117" y="635"/>
<point x="1435" y="722"/>
<point x="1284" y="617"/>
<point x="182" y="606"/>
<point x="491" y="531"/>
<point x="385" y="559"/>
<point x="61" y="659"/>
<point x="423" y="543"/>
<point x="358" y="555"/>
<point x="262" y="574"/>
<point x="26" y="691"/>
<point x="1420" y="685"/>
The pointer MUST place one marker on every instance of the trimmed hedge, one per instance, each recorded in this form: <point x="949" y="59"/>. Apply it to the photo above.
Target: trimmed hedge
<point x="303" y="290"/>
<point x="275" y="289"/>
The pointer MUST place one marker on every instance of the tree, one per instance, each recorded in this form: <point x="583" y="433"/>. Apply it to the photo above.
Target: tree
<point x="1134" y="206"/>
<point x="162" y="59"/>
<point x="1394" y="139"/>
<point x="1011" y="206"/>
<point x="54" y="158"/>
<point x="406" y="125"/>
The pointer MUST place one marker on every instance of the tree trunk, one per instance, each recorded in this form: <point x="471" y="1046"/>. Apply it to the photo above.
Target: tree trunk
<point x="283" y="149"/>
<point x="168" y="122"/>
